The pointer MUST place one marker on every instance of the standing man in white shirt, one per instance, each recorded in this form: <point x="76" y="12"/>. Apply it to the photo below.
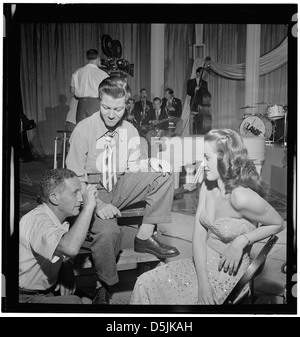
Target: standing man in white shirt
<point x="84" y="85"/>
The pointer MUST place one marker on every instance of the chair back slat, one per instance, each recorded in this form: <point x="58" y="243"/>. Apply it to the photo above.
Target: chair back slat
<point x="251" y="270"/>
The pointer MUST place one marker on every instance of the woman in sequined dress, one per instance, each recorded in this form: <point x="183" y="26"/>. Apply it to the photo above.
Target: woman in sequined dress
<point x="232" y="214"/>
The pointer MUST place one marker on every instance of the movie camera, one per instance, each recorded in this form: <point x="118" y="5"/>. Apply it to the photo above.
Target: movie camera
<point x="114" y="64"/>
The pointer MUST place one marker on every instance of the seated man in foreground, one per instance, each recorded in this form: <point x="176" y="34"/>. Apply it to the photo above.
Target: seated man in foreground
<point x="47" y="245"/>
<point x="105" y="151"/>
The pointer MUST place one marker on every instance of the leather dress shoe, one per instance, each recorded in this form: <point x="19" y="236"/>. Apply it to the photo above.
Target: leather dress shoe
<point x="153" y="246"/>
<point x="101" y="297"/>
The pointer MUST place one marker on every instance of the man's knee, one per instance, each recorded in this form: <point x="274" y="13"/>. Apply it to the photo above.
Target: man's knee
<point x="105" y="228"/>
<point x="163" y="180"/>
<point x="105" y="233"/>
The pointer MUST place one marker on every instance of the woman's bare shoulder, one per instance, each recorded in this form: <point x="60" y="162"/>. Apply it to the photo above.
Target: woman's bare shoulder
<point x="243" y="197"/>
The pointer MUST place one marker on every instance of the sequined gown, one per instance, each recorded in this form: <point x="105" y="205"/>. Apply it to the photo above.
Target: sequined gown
<point x="176" y="281"/>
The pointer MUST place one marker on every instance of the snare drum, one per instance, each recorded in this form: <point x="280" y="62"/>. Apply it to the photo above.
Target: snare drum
<point x="275" y="112"/>
<point x="256" y="126"/>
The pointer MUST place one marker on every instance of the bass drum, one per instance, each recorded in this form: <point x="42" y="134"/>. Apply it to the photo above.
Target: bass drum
<point x="256" y="126"/>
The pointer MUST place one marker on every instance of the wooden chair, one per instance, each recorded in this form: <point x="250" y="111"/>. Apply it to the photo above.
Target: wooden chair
<point x="254" y="269"/>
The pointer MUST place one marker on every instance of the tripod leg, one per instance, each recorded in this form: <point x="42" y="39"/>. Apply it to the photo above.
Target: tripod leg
<point x="284" y="132"/>
<point x="274" y="130"/>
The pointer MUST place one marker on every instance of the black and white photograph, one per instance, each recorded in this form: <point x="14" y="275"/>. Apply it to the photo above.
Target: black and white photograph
<point x="149" y="160"/>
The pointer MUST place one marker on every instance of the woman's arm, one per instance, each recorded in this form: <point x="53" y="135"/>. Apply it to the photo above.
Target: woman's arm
<point x="199" y="237"/>
<point x="254" y="208"/>
<point x="206" y="294"/>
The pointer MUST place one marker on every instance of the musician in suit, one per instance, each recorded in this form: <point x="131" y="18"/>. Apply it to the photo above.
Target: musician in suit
<point x="172" y="104"/>
<point x="130" y="112"/>
<point x="173" y="108"/>
<point x="155" y="124"/>
<point x="130" y="116"/>
<point x="197" y="89"/>
<point x="142" y="107"/>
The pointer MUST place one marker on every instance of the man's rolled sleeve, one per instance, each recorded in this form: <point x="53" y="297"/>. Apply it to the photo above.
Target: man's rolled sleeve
<point x="45" y="240"/>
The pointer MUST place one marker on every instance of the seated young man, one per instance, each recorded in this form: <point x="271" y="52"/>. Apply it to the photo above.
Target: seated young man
<point x="105" y="150"/>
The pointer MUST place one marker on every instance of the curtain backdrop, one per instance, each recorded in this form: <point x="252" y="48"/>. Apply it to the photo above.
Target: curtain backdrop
<point x="273" y="85"/>
<point x="50" y="54"/>
<point x="178" y="59"/>
<point x="226" y="45"/>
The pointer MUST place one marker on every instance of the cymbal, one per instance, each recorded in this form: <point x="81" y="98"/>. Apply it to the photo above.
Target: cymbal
<point x="248" y="107"/>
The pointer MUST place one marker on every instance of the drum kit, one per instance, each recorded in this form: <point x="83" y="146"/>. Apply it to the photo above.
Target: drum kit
<point x="264" y="125"/>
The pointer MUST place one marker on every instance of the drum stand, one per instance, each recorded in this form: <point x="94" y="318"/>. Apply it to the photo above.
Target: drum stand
<point x="274" y="131"/>
<point x="284" y="132"/>
<point x="271" y="142"/>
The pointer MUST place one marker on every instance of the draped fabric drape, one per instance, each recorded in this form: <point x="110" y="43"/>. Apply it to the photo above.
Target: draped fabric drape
<point x="51" y="52"/>
<point x="273" y="86"/>
<point x="226" y="45"/>
<point x="267" y="63"/>
<point x="178" y="60"/>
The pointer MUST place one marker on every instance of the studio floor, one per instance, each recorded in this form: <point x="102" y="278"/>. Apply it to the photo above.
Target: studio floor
<point x="268" y="286"/>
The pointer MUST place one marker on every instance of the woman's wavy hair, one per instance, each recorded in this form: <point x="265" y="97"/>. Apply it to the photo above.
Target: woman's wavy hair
<point x="234" y="165"/>
<point x="114" y="86"/>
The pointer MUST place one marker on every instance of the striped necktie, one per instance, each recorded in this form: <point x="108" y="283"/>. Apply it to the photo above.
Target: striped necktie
<point x="109" y="165"/>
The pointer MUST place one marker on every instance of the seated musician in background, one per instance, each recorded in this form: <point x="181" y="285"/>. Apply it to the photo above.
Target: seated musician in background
<point x="173" y="108"/>
<point x="156" y="124"/>
<point x="142" y="107"/>
<point x="130" y="113"/>
<point x="130" y="116"/>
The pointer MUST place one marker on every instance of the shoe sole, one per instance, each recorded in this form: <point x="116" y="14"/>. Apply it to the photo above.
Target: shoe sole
<point x="137" y="250"/>
<point x="102" y="301"/>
